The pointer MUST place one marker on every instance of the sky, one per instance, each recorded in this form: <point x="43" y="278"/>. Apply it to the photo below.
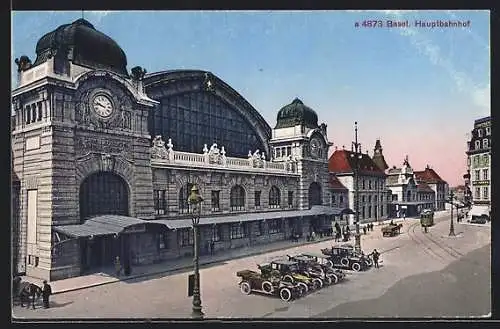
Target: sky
<point x="418" y="89"/>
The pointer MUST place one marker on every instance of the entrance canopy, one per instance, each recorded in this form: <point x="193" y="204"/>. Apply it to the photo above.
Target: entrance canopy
<point x="100" y="225"/>
<point x="248" y="217"/>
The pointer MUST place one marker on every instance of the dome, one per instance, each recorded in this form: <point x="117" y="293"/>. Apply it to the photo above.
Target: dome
<point x="296" y="113"/>
<point x="85" y="45"/>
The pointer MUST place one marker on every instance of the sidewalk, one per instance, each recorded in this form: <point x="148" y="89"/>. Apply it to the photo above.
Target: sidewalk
<point x="185" y="263"/>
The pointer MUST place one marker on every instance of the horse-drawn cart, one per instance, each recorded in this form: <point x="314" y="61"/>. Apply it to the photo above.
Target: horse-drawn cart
<point x="391" y="230"/>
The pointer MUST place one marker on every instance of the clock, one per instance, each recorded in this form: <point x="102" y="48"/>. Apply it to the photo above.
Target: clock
<point x="316" y="148"/>
<point x="102" y="105"/>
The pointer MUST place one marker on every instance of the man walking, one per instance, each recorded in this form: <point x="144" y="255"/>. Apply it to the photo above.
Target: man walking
<point x="46" y="292"/>
<point x="375" y="256"/>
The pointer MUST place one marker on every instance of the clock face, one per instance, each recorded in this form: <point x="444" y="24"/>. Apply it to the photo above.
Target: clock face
<point x="102" y="106"/>
<point x="315" y="147"/>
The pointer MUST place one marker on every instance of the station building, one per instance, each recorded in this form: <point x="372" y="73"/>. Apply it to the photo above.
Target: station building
<point x="103" y="160"/>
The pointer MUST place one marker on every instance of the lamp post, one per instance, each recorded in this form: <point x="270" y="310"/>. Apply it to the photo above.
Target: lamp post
<point x="452" y="228"/>
<point x="195" y="200"/>
<point x="356" y="155"/>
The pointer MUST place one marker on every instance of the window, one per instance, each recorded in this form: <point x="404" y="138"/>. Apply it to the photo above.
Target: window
<point x="289" y="150"/>
<point x="485" y="143"/>
<point x="238" y="231"/>
<point x="478" y="193"/>
<point x="485" y="193"/>
<point x="333" y="199"/>
<point x="278" y="152"/>
<point x="376" y="185"/>
<point x="341" y="199"/>
<point x="215" y="200"/>
<point x="260" y="228"/>
<point x="478" y="145"/>
<point x="369" y="211"/>
<point x="257" y="199"/>
<point x="183" y="198"/>
<point x="186" y="237"/>
<point x="486" y="160"/>
<point x="485" y="174"/>
<point x="381" y="198"/>
<point x="363" y="199"/>
<point x="290" y="199"/>
<point x="274" y="197"/>
<point x="476" y="174"/>
<point x="159" y="202"/>
<point x="369" y="198"/>
<point x="364" y="186"/>
<point x="237" y="198"/>
<point x="162" y="241"/>
<point x="488" y="131"/>
<point x="394" y="197"/>
<point x="363" y="213"/>
<point x="216" y="233"/>
<point x="369" y="184"/>
<point x="274" y="226"/>
<point x="479" y="133"/>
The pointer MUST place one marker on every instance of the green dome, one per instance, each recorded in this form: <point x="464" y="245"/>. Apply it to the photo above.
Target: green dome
<point x="296" y="113"/>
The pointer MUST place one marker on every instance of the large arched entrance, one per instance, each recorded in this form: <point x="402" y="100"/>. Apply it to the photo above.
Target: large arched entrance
<point x="315" y="194"/>
<point x="103" y="193"/>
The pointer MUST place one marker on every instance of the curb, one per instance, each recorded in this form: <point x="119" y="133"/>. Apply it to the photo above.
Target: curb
<point x="184" y="267"/>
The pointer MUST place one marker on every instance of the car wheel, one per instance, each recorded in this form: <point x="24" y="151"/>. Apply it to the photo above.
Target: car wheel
<point x="335" y="279"/>
<point x="267" y="287"/>
<point x="328" y="280"/>
<point x="245" y="288"/>
<point x="288" y="278"/>
<point x="285" y="294"/>
<point x="356" y="267"/>
<point x="369" y="262"/>
<point x="329" y="263"/>
<point x="317" y="283"/>
<point x="304" y="286"/>
<point x="344" y="262"/>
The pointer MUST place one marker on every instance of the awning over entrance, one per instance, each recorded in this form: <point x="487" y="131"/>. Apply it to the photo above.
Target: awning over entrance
<point x="248" y="217"/>
<point x="409" y="203"/>
<point x="100" y="225"/>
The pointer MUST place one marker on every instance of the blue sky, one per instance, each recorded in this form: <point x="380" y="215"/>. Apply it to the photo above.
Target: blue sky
<point x="418" y="89"/>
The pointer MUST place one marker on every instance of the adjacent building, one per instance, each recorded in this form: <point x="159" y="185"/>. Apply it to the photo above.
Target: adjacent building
<point x="440" y="187"/>
<point x="478" y="177"/>
<point x="104" y="160"/>
<point x="371" y="179"/>
<point x="339" y="194"/>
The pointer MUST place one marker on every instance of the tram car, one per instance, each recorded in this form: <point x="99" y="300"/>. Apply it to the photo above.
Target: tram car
<point x="427" y="218"/>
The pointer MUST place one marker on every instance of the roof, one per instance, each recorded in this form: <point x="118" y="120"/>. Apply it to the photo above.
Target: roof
<point x="296" y="113"/>
<point x="428" y="176"/>
<point x="343" y="161"/>
<point x="391" y="180"/>
<point x="394" y="170"/>
<point x="485" y="119"/>
<point x="423" y="187"/>
<point x="335" y="184"/>
<point x="100" y="225"/>
<point x="248" y="217"/>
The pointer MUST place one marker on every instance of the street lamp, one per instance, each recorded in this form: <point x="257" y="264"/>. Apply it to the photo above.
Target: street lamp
<point x="356" y="155"/>
<point x="452" y="228"/>
<point x="195" y="200"/>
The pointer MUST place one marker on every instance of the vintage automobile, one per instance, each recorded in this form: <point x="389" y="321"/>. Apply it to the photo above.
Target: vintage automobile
<point x="254" y="281"/>
<point x="336" y="275"/>
<point x="391" y="229"/>
<point x="310" y="268"/>
<point x="352" y="251"/>
<point x="289" y="271"/>
<point x="342" y="258"/>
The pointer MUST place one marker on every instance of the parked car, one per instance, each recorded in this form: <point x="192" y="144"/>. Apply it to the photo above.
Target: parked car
<point x="289" y="271"/>
<point x="337" y="275"/>
<point x="352" y="251"/>
<point x="342" y="258"/>
<point x="479" y="219"/>
<point x="254" y="281"/>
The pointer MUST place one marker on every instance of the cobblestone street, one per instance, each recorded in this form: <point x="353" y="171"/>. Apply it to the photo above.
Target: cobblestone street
<point x="165" y="295"/>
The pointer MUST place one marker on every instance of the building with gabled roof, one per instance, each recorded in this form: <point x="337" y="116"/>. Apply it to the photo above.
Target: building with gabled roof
<point x="339" y="194"/>
<point x="436" y="183"/>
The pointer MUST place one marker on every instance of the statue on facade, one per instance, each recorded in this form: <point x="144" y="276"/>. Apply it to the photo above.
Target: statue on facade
<point x="23" y="63"/>
<point x="138" y="73"/>
<point x="207" y="83"/>
<point x="214" y="154"/>
<point x="257" y="160"/>
<point x="158" y="150"/>
<point x="125" y="118"/>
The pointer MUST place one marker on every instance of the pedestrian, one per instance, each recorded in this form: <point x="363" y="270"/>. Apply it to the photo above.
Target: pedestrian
<point x="46" y="292"/>
<point x="364" y="229"/>
<point x="313" y="236"/>
<point x="118" y="266"/>
<point x="127" y="269"/>
<point x="212" y="247"/>
<point x="375" y="256"/>
<point x="371" y="227"/>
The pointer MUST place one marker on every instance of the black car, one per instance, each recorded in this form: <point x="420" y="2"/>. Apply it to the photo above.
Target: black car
<point x="352" y="251"/>
<point x="342" y="258"/>
<point x="479" y="219"/>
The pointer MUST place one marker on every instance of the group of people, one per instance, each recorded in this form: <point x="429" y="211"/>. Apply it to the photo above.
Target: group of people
<point x="32" y="292"/>
<point x="344" y="233"/>
<point x="368" y="227"/>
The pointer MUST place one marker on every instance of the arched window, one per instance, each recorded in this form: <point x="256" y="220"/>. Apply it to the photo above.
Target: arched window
<point x="274" y="197"/>
<point x="315" y="194"/>
<point x="183" y="198"/>
<point x="237" y="198"/>
<point x="408" y="196"/>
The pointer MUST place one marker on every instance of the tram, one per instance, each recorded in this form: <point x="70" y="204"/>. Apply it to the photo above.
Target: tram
<point x="427" y="218"/>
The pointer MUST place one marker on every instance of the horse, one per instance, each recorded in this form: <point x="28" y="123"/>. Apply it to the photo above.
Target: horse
<point x="29" y="292"/>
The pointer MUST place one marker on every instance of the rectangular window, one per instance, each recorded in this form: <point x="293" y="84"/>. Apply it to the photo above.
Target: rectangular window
<point x="363" y="213"/>
<point x="159" y="202"/>
<point x="485" y="193"/>
<point x="260" y="228"/>
<point x="257" y="199"/>
<point x="363" y="199"/>
<point x="333" y="199"/>
<point x="186" y="237"/>
<point x="32" y="217"/>
<point x="369" y="198"/>
<point x="341" y="199"/>
<point x="479" y="133"/>
<point x="289" y="150"/>
<point x="485" y="143"/>
<point x="476" y="174"/>
<point x="237" y="231"/>
<point x="290" y="199"/>
<point x="162" y="241"/>
<point x="274" y="226"/>
<point x="364" y="186"/>
<point x="369" y="211"/>
<point x="478" y="193"/>
<point x="215" y="201"/>
<point x="485" y="174"/>
<point x="278" y="152"/>
<point x="478" y="145"/>
<point x="216" y="233"/>
<point x="370" y="184"/>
